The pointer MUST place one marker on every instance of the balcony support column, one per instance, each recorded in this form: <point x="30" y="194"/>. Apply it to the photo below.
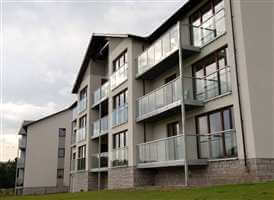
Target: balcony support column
<point x="99" y="148"/>
<point x="182" y="99"/>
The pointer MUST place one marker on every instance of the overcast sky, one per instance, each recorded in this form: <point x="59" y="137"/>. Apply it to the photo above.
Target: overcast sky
<point x="44" y="45"/>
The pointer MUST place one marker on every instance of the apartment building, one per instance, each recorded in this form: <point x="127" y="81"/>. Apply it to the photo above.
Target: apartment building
<point x="191" y="104"/>
<point x="43" y="164"/>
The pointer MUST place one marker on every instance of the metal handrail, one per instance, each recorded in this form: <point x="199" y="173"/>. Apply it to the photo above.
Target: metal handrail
<point x="193" y="135"/>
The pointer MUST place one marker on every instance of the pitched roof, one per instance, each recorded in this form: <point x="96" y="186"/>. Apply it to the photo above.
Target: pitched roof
<point x="99" y="39"/>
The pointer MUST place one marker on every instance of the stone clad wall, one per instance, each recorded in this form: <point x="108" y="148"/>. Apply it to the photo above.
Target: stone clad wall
<point x="217" y="172"/>
<point x="44" y="190"/>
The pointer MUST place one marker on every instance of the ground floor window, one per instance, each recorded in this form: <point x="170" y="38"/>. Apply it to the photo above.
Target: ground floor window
<point x="217" y="136"/>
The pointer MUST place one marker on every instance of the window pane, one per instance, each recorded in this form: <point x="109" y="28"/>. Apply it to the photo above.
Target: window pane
<point x="216" y="138"/>
<point x="212" y="87"/>
<point x="203" y="140"/>
<point x="220" y="22"/>
<point x="199" y="82"/>
<point x="122" y="99"/>
<point x="219" y="5"/>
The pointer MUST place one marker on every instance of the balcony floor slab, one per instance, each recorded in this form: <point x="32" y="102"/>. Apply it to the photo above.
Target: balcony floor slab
<point x="173" y="163"/>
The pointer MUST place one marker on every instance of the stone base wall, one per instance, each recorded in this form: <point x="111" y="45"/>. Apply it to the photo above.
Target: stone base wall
<point x="44" y="190"/>
<point x="87" y="181"/>
<point x="93" y="181"/>
<point x="216" y="172"/>
<point x="219" y="172"/>
<point x="79" y="181"/>
<point x="129" y="177"/>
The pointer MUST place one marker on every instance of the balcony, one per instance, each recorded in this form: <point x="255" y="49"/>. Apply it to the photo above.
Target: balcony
<point x="163" y="99"/>
<point x="164" y="52"/>
<point x="22" y="143"/>
<point x="81" y="135"/>
<point x="73" y="165"/>
<point x="102" y="158"/>
<point x="119" y="157"/>
<point x="201" y="148"/>
<point x="82" y="105"/>
<point x="120" y="115"/>
<point x="101" y="94"/>
<point x="197" y="91"/>
<point x="100" y="127"/>
<point x="119" y="77"/>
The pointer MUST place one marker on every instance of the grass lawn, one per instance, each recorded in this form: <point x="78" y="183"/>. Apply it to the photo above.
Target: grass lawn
<point x="260" y="191"/>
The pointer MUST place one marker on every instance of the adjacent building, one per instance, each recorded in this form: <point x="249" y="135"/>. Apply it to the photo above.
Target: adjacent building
<point x="191" y="104"/>
<point x="43" y="165"/>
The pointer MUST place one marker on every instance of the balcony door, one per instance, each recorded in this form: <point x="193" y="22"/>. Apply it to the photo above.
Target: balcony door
<point x="217" y="136"/>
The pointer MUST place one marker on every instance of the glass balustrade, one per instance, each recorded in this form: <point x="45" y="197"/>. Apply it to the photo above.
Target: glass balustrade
<point x="73" y="165"/>
<point x="101" y="93"/>
<point x="73" y="138"/>
<point x="119" y="157"/>
<point x="100" y="126"/>
<point x="118" y="77"/>
<point x="82" y="105"/>
<point x="81" y="135"/>
<point x="102" y="157"/>
<point x="213" y="27"/>
<point x="163" y="47"/>
<point x="120" y="115"/>
<point x="211" y="146"/>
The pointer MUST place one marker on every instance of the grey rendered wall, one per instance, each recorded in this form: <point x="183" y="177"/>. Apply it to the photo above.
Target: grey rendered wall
<point x="42" y="151"/>
<point x="254" y="33"/>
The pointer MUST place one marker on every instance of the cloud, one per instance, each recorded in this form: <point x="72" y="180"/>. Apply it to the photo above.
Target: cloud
<point x="44" y="45"/>
<point x="15" y="113"/>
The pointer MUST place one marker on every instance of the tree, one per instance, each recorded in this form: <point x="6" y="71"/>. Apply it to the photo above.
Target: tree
<point x="7" y="174"/>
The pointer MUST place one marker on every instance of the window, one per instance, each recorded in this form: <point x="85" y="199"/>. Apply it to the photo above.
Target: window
<point x="173" y="129"/>
<point x="61" y="153"/>
<point x="218" y="138"/>
<point x="60" y="173"/>
<point x="120" y="99"/>
<point x="208" y="22"/>
<point x="120" y="61"/>
<point x="119" y="70"/>
<point x="83" y="100"/>
<point x="212" y="76"/>
<point x="120" y="140"/>
<point x="62" y="132"/>
<point x="83" y="122"/>
<point x="170" y="78"/>
<point x="120" y="151"/>
<point x="81" y="163"/>
<point x="82" y="151"/>
<point x="83" y="94"/>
